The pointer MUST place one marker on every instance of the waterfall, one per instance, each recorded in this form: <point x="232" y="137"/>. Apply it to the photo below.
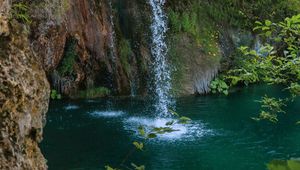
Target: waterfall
<point x="112" y="38"/>
<point x="160" y="68"/>
<point x="113" y="53"/>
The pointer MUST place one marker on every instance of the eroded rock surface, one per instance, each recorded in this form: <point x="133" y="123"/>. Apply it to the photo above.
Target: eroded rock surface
<point x="24" y="94"/>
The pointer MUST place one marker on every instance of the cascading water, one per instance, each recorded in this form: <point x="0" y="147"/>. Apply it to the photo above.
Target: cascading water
<point x="113" y="53"/>
<point x="112" y="37"/>
<point x="161" y="71"/>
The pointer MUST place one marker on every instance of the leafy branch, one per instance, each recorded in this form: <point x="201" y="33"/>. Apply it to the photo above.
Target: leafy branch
<point x="147" y="135"/>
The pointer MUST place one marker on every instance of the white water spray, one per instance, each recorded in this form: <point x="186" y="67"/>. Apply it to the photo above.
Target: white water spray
<point x="112" y="36"/>
<point x="162" y="78"/>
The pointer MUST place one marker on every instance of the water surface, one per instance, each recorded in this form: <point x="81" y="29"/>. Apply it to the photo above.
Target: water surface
<point x="222" y="136"/>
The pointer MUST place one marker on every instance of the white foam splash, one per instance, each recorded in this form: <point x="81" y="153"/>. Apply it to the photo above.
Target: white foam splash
<point x="107" y="113"/>
<point x="187" y="132"/>
<point x="71" y="107"/>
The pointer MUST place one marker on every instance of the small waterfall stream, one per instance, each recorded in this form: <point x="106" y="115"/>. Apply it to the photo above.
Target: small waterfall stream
<point x="112" y="37"/>
<point x="113" y="52"/>
<point x="160" y="68"/>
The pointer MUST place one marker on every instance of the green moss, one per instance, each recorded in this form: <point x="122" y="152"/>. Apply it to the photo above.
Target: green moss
<point x="193" y="37"/>
<point x="125" y="53"/>
<point x="93" y="93"/>
<point x="69" y="58"/>
<point x="198" y="25"/>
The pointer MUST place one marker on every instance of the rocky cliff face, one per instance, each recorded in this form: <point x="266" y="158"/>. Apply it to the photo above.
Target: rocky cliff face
<point x="24" y="94"/>
<point x="86" y="27"/>
<point x="90" y="25"/>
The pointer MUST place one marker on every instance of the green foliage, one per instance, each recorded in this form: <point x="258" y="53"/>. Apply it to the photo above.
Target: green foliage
<point x="20" y="12"/>
<point x="275" y="63"/>
<point x="273" y="104"/>
<point x="138" y="145"/>
<point x="183" y="22"/>
<point x="175" y="21"/>
<point x="243" y="14"/>
<point x="142" y="167"/>
<point x="270" y="108"/>
<point x="196" y="24"/>
<point x="294" y="89"/>
<point x="184" y="120"/>
<point x="66" y="67"/>
<point x="268" y="65"/>
<point x="220" y="86"/>
<point x="285" y="33"/>
<point x="142" y="131"/>
<point x="54" y="95"/>
<point x="94" y="93"/>
<point x="189" y="23"/>
<point x="125" y="54"/>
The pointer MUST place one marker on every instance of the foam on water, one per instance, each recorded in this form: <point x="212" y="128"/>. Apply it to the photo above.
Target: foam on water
<point x="191" y="131"/>
<point x="107" y="113"/>
<point x="71" y="107"/>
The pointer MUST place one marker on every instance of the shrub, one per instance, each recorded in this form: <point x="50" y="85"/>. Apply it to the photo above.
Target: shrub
<point x="54" y="95"/>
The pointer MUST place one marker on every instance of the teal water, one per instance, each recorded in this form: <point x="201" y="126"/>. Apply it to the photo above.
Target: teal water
<point x="91" y="134"/>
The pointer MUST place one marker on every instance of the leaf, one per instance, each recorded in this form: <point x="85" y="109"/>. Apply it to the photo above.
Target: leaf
<point x="138" y="145"/>
<point x="268" y="23"/>
<point x="151" y="136"/>
<point x="163" y="130"/>
<point x="258" y="23"/>
<point x="53" y="94"/>
<point x="141" y="130"/>
<point x="170" y="123"/>
<point x="142" y="167"/>
<point x="256" y="28"/>
<point x="173" y="112"/>
<point x="298" y="123"/>
<point x="265" y="28"/>
<point x="268" y="33"/>
<point x="184" y="120"/>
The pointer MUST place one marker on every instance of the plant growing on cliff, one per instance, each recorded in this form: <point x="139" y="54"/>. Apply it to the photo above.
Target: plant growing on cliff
<point x="125" y="53"/>
<point x="54" y="95"/>
<point x="219" y="86"/>
<point x="66" y="67"/>
<point x="20" y="12"/>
